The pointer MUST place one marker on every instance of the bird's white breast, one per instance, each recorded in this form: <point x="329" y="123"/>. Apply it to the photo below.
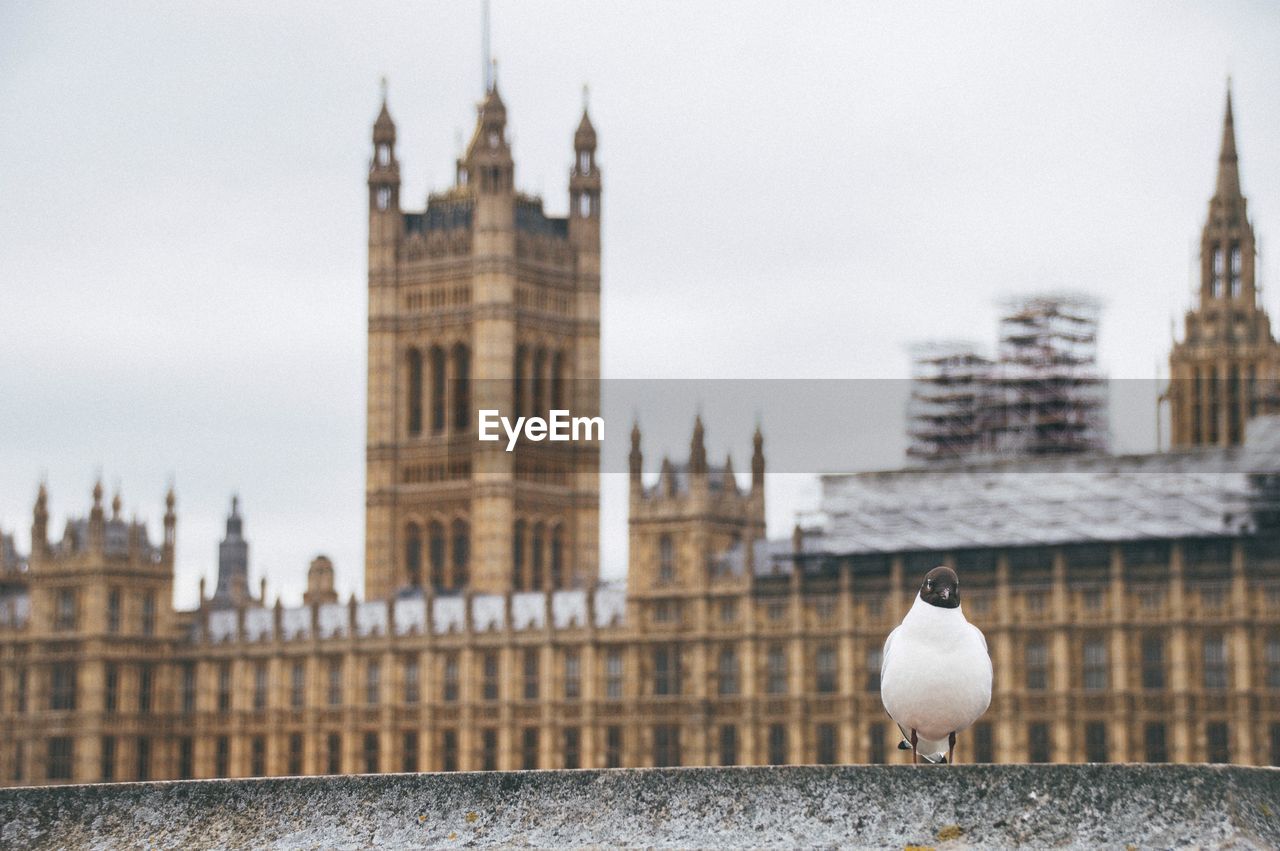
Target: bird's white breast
<point x="937" y="672"/>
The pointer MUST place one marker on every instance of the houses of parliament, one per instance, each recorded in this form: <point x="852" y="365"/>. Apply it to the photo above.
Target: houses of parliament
<point x="1131" y="603"/>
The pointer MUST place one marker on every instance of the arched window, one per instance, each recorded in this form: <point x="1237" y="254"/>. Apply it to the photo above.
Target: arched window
<point x="557" y="557"/>
<point x="517" y="557"/>
<point x="413" y="555"/>
<point x="584" y="162"/>
<point x="461" y="387"/>
<point x="435" y="546"/>
<point x="539" y="536"/>
<point x="1219" y="270"/>
<point x="461" y="553"/>
<point x="437" y="389"/>
<point x="584" y="205"/>
<point x="666" y="560"/>
<point x="540" y="383"/>
<point x="517" y="380"/>
<point x="1235" y="271"/>
<point x="383" y="197"/>
<point x="557" y="381"/>
<point x="415" y="392"/>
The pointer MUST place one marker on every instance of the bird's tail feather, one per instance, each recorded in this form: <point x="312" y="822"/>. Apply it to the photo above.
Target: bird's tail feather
<point x="930" y="751"/>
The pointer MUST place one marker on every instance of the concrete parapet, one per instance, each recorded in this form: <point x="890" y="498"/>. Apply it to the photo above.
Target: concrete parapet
<point x="967" y="806"/>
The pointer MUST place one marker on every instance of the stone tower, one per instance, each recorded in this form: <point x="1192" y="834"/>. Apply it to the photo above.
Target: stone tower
<point x="480" y="301"/>
<point x="695" y="529"/>
<point x="1223" y="371"/>
<point x="102" y="624"/>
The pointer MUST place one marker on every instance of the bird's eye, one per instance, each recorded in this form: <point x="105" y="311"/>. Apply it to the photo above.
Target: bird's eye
<point x="929" y="584"/>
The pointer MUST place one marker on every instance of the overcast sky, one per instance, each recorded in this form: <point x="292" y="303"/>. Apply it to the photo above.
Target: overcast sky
<point x="792" y="190"/>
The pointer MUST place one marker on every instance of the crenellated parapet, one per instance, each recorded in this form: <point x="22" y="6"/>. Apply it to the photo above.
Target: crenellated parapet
<point x="408" y="615"/>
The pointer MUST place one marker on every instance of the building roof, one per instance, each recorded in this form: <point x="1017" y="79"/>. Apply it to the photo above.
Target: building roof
<point x="677" y="479"/>
<point x="115" y="537"/>
<point x="1191" y="493"/>
<point x="568" y="609"/>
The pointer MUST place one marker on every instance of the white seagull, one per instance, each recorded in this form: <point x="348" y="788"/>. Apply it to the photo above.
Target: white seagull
<point x="935" y="673"/>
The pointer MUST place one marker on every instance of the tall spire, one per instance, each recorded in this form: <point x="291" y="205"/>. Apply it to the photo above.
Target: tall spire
<point x="1228" y="162"/>
<point x="698" y="448"/>
<point x="233" y="563"/>
<point x="636" y="459"/>
<point x="384" y="169"/>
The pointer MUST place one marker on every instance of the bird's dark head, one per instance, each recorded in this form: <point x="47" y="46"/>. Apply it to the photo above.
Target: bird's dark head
<point x="941" y="588"/>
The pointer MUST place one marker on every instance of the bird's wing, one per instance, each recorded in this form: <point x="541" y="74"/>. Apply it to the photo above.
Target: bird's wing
<point x="884" y="654"/>
<point x="981" y="638"/>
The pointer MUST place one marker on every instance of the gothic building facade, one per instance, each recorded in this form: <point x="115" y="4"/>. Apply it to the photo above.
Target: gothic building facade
<point x="1132" y="604"/>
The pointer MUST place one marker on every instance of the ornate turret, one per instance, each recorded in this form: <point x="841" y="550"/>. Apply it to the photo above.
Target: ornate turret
<point x="757" y="460"/>
<point x="636" y="459"/>
<point x="487" y="164"/>
<point x="170" y="527"/>
<point x="698" y="449"/>
<point x="320" y="585"/>
<point x="585" y="185"/>
<point x="233" y="564"/>
<point x="384" y="169"/>
<point x="1224" y="371"/>
<point x="728" y="478"/>
<point x="696" y="525"/>
<point x="40" y="524"/>
<point x="82" y="583"/>
<point x="97" y="520"/>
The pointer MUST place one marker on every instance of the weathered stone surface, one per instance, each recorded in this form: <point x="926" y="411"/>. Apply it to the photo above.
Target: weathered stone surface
<point x="967" y="806"/>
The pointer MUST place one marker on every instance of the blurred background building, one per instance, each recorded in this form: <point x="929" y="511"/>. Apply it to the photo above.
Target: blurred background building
<point x="1132" y="603"/>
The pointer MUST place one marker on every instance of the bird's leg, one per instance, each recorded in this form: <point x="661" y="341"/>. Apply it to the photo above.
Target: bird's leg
<point x="951" y="748"/>
<point x="915" y="757"/>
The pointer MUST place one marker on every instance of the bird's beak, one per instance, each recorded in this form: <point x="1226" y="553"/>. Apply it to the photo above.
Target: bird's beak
<point x="946" y="593"/>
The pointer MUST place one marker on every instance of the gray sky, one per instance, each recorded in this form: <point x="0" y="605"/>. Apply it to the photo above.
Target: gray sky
<point x="792" y="190"/>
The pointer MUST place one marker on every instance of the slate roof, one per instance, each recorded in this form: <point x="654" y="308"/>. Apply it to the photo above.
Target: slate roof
<point x="1191" y="493"/>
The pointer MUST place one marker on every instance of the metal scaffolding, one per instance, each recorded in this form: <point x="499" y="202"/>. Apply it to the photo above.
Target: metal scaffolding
<point x="1042" y="395"/>
<point x="950" y="385"/>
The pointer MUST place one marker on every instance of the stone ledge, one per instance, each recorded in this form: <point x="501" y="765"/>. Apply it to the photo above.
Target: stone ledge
<point x="1063" y="806"/>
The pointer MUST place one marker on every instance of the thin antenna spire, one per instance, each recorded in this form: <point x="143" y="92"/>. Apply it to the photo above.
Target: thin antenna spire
<point x="383" y="87"/>
<point x="586" y="96"/>
<point x="487" y="70"/>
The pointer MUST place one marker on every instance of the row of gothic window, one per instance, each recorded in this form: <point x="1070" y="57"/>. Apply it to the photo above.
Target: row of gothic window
<point x="537" y="556"/>
<point x="448" y="555"/>
<point x="439" y="381"/>
<point x="539" y="383"/>
<point x="665" y="668"/>
<point x="440" y="384"/>
<point x="66" y="615"/>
